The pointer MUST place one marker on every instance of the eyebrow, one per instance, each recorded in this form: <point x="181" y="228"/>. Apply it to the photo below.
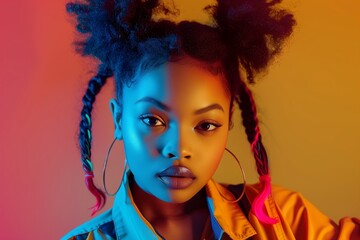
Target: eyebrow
<point x="155" y="102"/>
<point x="209" y="108"/>
<point x="167" y="108"/>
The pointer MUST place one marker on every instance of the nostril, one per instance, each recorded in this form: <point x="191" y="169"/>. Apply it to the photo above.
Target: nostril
<point x="176" y="156"/>
<point x="170" y="155"/>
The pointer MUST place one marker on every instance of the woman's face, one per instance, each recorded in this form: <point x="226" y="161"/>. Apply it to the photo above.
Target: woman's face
<point x="174" y="123"/>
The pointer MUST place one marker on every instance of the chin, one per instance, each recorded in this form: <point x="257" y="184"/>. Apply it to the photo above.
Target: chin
<point x="182" y="196"/>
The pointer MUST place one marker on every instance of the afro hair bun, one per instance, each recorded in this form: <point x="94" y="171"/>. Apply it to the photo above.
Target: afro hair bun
<point x="255" y="29"/>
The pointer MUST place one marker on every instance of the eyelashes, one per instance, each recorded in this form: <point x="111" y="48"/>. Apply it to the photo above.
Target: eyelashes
<point x="154" y="121"/>
<point x="207" y="126"/>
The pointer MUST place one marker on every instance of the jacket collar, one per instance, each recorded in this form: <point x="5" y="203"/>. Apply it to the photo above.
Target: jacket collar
<point x="225" y="217"/>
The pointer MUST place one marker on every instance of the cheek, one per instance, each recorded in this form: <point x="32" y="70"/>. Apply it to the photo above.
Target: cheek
<point x="211" y="154"/>
<point x="137" y="145"/>
<point x="140" y="146"/>
<point x="133" y="140"/>
<point x="214" y="158"/>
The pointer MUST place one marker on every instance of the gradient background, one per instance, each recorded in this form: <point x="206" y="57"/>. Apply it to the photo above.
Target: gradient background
<point x="309" y="106"/>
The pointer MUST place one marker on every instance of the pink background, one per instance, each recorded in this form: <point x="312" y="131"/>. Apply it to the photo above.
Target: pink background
<point x="42" y="82"/>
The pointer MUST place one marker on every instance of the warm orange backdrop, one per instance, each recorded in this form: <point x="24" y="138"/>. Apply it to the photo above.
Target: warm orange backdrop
<point x="309" y="104"/>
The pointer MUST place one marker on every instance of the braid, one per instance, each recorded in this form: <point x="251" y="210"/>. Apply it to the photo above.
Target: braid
<point x="251" y="124"/>
<point x="85" y="138"/>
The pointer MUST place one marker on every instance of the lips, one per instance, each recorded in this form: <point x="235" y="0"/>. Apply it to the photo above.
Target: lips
<point x="176" y="177"/>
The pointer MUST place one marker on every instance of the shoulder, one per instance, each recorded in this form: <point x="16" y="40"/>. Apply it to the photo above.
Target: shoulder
<point x="282" y="196"/>
<point x="285" y="199"/>
<point x="304" y="219"/>
<point x="102" y="225"/>
<point x="290" y="203"/>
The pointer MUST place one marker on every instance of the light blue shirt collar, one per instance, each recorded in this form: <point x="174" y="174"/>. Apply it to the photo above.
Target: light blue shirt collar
<point x="130" y="224"/>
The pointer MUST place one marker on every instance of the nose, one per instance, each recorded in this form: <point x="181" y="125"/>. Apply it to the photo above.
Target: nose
<point x="176" y="145"/>
<point x="172" y="151"/>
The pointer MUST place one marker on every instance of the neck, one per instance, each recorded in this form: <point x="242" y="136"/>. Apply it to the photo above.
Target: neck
<point x="154" y="209"/>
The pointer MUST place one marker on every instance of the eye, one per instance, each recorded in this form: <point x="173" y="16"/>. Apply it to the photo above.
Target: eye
<point x="152" y="121"/>
<point x="207" y="126"/>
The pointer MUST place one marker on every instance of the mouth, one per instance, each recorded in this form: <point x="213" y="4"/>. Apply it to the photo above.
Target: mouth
<point x="176" y="177"/>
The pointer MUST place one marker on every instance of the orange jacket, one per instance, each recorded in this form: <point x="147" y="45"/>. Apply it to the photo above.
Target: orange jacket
<point x="299" y="219"/>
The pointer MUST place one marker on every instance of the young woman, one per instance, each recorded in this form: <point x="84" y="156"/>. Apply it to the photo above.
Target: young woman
<point x="177" y="85"/>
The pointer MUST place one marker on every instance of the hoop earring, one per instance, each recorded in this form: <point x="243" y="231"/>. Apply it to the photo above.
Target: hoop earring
<point x="244" y="184"/>
<point x="104" y="172"/>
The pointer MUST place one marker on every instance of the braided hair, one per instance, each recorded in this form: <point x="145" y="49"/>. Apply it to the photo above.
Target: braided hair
<point x="127" y="40"/>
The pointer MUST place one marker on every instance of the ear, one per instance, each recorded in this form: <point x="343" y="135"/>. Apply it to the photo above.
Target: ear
<point x="116" y="111"/>
<point x="232" y="110"/>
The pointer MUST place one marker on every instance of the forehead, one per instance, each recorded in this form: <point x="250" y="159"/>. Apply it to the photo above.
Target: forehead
<point x="184" y="81"/>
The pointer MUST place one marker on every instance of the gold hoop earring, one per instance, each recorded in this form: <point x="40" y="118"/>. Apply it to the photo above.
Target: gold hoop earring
<point x="243" y="175"/>
<point x="104" y="172"/>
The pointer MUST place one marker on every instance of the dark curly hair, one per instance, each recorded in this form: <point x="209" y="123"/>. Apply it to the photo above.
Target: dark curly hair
<point x="126" y="39"/>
